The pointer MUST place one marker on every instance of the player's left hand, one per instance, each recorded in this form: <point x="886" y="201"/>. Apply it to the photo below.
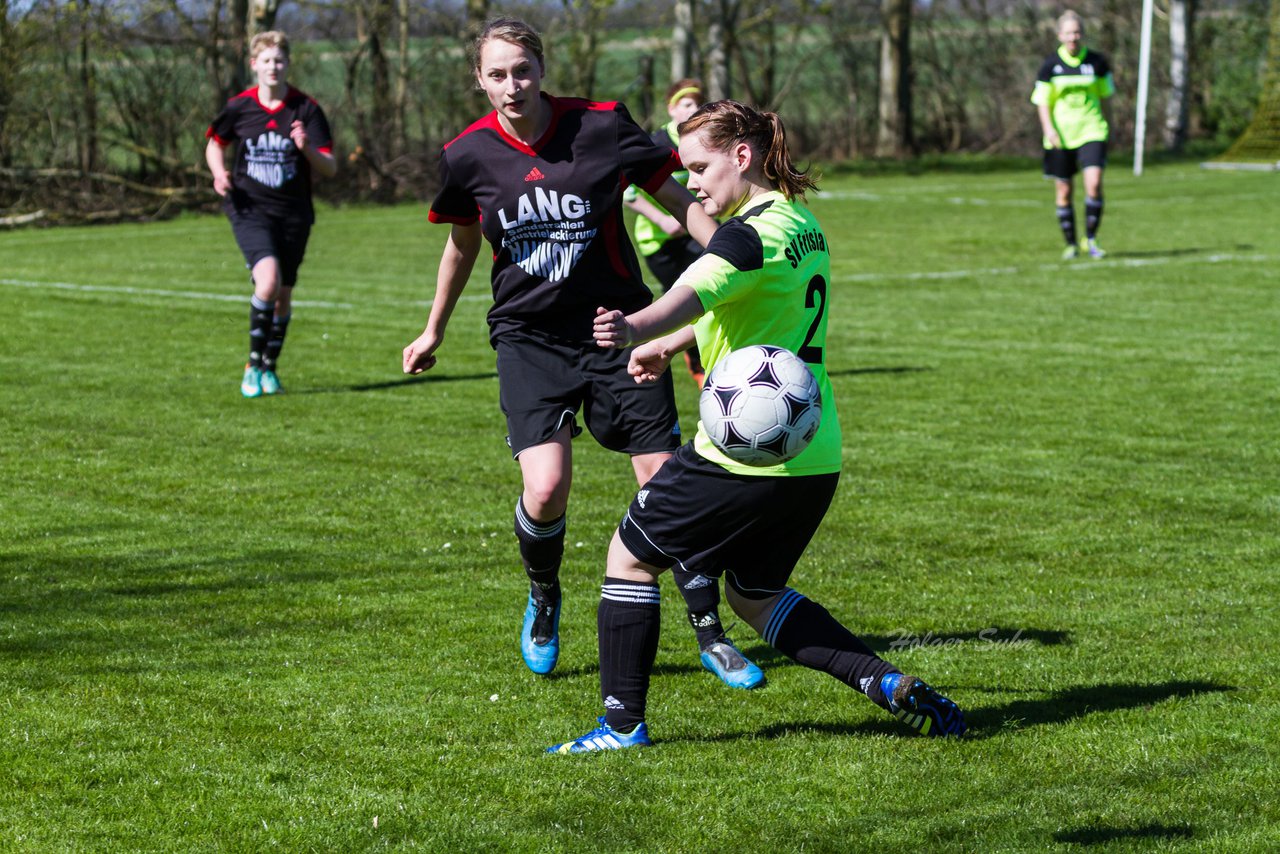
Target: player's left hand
<point x="612" y="329"/>
<point x="298" y="133"/>
<point x="648" y="362"/>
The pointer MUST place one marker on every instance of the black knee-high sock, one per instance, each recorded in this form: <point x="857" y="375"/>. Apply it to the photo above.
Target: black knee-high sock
<point x="1092" y="216"/>
<point x="275" y="341"/>
<point x="702" y="598"/>
<point x="541" y="549"/>
<point x="1067" y="222"/>
<point x="628" y="622"/>
<point x="805" y="632"/>
<point x="261" y="313"/>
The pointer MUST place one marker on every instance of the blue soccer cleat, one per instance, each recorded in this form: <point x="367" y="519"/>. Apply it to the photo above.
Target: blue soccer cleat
<point x="604" y="737"/>
<point x="251" y="385"/>
<point x="540" y="636"/>
<point x="734" y="669"/>
<point x="269" y="382"/>
<point x="914" y="702"/>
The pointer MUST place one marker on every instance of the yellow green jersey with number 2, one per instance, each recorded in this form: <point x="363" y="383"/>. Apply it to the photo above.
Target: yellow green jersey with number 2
<point x="765" y="279"/>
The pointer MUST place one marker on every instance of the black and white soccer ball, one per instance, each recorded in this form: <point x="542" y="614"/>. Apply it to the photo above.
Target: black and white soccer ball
<point x="761" y="405"/>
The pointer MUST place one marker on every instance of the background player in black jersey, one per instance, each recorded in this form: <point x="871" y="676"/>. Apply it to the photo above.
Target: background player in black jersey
<point x="666" y="246"/>
<point x="542" y="179"/>
<point x="283" y="139"/>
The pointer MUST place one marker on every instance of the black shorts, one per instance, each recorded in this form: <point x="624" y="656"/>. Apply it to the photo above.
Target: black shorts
<point x="260" y="236"/>
<point x="1064" y="163"/>
<point x="751" y="529"/>
<point x="543" y="381"/>
<point x="672" y="259"/>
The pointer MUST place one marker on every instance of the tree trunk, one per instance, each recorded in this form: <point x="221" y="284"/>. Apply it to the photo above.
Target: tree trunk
<point x="895" y="137"/>
<point x="88" y="98"/>
<point x="1181" y="26"/>
<point x="718" y="35"/>
<point x="682" y="41"/>
<point x="238" y="47"/>
<point x="402" y="79"/>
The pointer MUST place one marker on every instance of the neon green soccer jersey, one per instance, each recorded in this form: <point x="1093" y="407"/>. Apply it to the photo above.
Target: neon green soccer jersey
<point x="649" y="238"/>
<point x="1072" y="87"/>
<point x="764" y="279"/>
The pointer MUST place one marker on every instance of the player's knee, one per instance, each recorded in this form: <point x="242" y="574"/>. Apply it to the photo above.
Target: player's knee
<point x="546" y="499"/>
<point x="753" y="612"/>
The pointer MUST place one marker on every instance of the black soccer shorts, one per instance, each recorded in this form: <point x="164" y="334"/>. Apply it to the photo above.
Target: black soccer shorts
<point x="261" y="236"/>
<point x="543" y="381"/>
<point x="1064" y="163"/>
<point x="750" y="529"/>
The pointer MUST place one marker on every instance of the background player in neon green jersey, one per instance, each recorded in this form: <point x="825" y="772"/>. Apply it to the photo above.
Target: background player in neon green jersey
<point x="667" y="248"/>
<point x="1068" y="96"/>
<point x="762" y="280"/>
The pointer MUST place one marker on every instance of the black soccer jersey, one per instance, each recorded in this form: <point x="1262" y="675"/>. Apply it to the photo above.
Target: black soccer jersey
<point x="270" y="174"/>
<point x="552" y="213"/>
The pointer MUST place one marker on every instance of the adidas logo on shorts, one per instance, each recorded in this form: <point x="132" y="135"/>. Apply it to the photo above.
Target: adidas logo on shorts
<point x="641" y="497"/>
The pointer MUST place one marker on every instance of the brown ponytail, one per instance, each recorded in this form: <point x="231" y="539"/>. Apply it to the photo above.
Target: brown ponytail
<point x="724" y="124"/>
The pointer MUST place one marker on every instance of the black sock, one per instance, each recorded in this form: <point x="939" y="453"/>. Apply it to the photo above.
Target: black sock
<point x="702" y="598"/>
<point x="1092" y="216"/>
<point x="1067" y="222"/>
<point x="260" y="315"/>
<point x="275" y="341"/>
<point x="805" y="632"/>
<point x="541" y="549"/>
<point x="629" y="622"/>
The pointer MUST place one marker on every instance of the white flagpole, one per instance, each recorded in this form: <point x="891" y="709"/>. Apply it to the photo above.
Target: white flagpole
<point x="1144" y="77"/>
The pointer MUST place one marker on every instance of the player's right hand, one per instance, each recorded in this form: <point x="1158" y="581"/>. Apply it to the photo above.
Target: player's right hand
<point x="648" y="362"/>
<point x="222" y="184"/>
<point x="419" y="356"/>
<point x="1053" y="139"/>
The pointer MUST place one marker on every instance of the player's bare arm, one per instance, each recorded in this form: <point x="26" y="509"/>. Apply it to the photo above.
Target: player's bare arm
<point x="1046" y="125"/>
<point x="215" y="154"/>
<point x="650" y="360"/>
<point x="460" y="253"/>
<point x="685" y="208"/>
<point x="675" y="309"/>
<point x="647" y="209"/>
<point x="326" y="165"/>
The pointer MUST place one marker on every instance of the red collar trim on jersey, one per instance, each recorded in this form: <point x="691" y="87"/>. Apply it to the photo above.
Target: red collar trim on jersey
<point x="289" y="95"/>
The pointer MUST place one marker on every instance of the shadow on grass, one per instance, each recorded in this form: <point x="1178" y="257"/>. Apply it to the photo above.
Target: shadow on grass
<point x="985" y="722"/>
<point x="891" y="369"/>
<point x="398" y="383"/>
<point x="1101" y="835"/>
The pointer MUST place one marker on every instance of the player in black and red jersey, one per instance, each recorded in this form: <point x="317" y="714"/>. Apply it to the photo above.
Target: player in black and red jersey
<point x="542" y="179"/>
<point x="283" y="139"/>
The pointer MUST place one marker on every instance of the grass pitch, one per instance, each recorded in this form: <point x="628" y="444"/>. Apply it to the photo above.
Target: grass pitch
<point x="291" y="623"/>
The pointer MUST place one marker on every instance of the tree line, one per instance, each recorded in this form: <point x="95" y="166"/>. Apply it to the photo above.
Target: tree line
<point x="104" y="103"/>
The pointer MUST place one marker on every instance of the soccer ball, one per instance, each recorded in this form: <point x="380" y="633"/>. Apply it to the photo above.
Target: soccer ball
<point x="761" y="405"/>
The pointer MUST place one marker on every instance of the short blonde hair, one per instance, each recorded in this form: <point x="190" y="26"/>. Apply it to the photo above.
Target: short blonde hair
<point x="1069" y="17"/>
<point x="268" y="39"/>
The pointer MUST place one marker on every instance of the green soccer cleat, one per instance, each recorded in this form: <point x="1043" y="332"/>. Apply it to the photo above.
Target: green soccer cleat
<point x="270" y="382"/>
<point x="251" y="385"/>
<point x="1071" y="253"/>
<point x="1095" y="251"/>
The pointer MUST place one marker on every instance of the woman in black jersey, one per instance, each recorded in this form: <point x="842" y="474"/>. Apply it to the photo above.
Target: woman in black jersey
<point x="541" y="178"/>
<point x="283" y="138"/>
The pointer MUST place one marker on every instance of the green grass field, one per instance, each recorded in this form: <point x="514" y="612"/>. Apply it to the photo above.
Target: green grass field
<point x="290" y="623"/>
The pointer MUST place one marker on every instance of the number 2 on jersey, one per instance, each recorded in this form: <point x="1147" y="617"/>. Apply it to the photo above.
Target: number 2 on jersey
<point x="814" y="297"/>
